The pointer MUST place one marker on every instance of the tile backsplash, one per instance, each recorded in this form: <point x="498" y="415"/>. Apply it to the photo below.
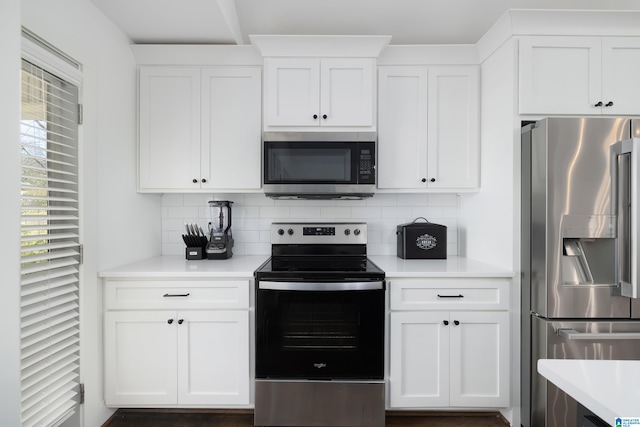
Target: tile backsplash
<point x="253" y="213"/>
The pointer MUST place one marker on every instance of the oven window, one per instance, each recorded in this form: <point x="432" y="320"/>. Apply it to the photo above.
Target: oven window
<point x="320" y="334"/>
<point x="320" y="326"/>
<point x="308" y="163"/>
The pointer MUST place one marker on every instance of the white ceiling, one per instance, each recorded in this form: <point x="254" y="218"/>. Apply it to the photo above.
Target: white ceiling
<point x="407" y="21"/>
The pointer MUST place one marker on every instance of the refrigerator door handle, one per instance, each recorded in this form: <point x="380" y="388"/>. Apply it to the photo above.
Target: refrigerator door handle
<point x="572" y="334"/>
<point x="625" y="198"/>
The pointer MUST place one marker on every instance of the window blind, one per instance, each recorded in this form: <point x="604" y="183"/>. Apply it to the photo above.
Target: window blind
<point x="50" y="255"/>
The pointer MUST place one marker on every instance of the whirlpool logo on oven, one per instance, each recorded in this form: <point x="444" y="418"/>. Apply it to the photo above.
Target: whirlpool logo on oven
<point x="426" y="242"/>
<point x="320" y="365"/>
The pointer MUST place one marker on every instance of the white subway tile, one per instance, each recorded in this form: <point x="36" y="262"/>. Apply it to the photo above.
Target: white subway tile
<point x="265" y="236"/>
<point x="335" y="212"/>
<point x="257" y="199"/>
<point x="258" y="249"/>
<point x="182" y="212"/>
<point x="430" y="213"/>
<point x="172" y="199"/>
<point x="253" y="214"/>
<point x="396" y="212"/>
<point x="383" y="200"/>
<point x="412" y="200"/>
<point x="304" y="213"/>
<point x="369" y="212"/>
<point x="247" y="236"/>
<point x="197" y="200"/>
<point x="374" y="236"/>
<point x="450" y="212"/>
<point x="321" y="203"/>
<point x="443" y="200"/>
<point x="173" y="249"/>
<point x="277" y="213"/>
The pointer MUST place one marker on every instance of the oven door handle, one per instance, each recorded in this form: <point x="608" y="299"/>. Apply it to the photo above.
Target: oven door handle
<point x="321" y="286"/>
<point x="572" y="334"/>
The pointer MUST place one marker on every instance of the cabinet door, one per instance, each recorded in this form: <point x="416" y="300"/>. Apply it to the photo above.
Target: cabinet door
<point x="402" y="127"/>
<point x="620" y="76"/>
<point x="346" y="92"/>
<point x="140" y="358"/>
<point x="292" y="92"/>
<point x="169" y="117"/>
<point x="560" y="75"/>
<point x="231" y="128"/>
<point x="479" y="359"/>
<point x="454" y="127"/>
<point x="419" y="360"/>
<point x="213" y="358"/>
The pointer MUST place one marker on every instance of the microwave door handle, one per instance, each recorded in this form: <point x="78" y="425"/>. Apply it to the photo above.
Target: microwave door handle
<point x="572" y="334"/>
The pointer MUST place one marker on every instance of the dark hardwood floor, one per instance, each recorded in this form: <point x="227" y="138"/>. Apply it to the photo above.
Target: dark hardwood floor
<point x="147" y="418"/>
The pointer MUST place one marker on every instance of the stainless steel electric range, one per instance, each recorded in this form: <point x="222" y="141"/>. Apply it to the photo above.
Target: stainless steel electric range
<point x="319" y="329"/>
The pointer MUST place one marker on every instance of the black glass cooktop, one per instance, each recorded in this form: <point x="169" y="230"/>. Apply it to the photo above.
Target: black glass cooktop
<point x="317" y="267"/>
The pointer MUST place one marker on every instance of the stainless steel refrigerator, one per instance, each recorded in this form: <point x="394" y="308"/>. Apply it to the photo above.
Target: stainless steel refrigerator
<point x="579" y="252"/>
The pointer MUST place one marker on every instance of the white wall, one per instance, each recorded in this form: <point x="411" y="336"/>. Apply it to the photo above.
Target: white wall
<point x="118" y="225"/>
<point x="252" y="215"/>
<point x="10" y="212"/>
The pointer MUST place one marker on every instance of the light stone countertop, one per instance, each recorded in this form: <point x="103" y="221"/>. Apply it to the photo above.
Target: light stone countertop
<point x="244" y="266"/>
<point x="608" y="388"/>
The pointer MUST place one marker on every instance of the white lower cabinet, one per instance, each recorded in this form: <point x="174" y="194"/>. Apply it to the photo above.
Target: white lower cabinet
<point x="176" y="357"/>
<point x="448" y="358"/>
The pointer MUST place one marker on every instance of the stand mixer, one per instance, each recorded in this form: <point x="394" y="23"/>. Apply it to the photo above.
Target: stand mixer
<point x="220" y="244"/>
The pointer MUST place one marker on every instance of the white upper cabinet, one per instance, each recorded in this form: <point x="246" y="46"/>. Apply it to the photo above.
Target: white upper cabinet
<point x="579" y="75"/>
<point x="231" y="128"/>
<point x="200" y="128"/>
<point x="313" y="92"/>
<point x="428" y="127"/>
<point x="169" y="125"/>
<point x="620" y="75"/>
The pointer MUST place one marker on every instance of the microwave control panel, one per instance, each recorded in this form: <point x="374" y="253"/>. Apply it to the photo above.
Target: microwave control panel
<point x="366" y="163"/>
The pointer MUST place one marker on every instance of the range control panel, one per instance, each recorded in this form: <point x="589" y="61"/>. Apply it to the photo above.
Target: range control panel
<point x="315" y="233"/>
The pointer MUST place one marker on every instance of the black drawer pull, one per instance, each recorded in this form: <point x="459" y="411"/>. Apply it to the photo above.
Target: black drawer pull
<point x="175" y="295"/>
<point x="451" y="296"/>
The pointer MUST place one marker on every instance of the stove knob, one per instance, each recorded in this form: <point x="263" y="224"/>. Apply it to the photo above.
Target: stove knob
<point x="280" y="231"/>
<point x="290" y="231"/>
<point x="356" y="231"/>
<point x="347" y="232"/>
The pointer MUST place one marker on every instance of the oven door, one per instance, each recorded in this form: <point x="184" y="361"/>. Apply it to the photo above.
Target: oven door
<point x="327" y="330"/>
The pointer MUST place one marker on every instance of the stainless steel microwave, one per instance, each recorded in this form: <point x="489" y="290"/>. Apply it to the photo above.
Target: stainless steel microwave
<point x="319" y="165"/>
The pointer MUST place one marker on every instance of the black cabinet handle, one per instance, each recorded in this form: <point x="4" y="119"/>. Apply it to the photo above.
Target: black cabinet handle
<point x="446" y="322"/>
<point x="456" y="322"/>
<point x="451" y="296"/>
<point x="175" y="295"/>
<point x="324" y="116"/>
<point x="424" y="180"/>
<point x="315" y="116"/>
<point x="170" y="321"/>
<point x="195" y="181"/>
<point x="599" y="104"/>
<point x="432" y="180"/>
<point x="204" y="180"/>
<point x="609" y="104"/>
<point x="180" y="321"/>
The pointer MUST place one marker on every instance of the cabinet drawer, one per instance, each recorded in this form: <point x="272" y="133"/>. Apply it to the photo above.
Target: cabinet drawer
<point x="449" y="294"/>
<point x="176" y="294"/>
